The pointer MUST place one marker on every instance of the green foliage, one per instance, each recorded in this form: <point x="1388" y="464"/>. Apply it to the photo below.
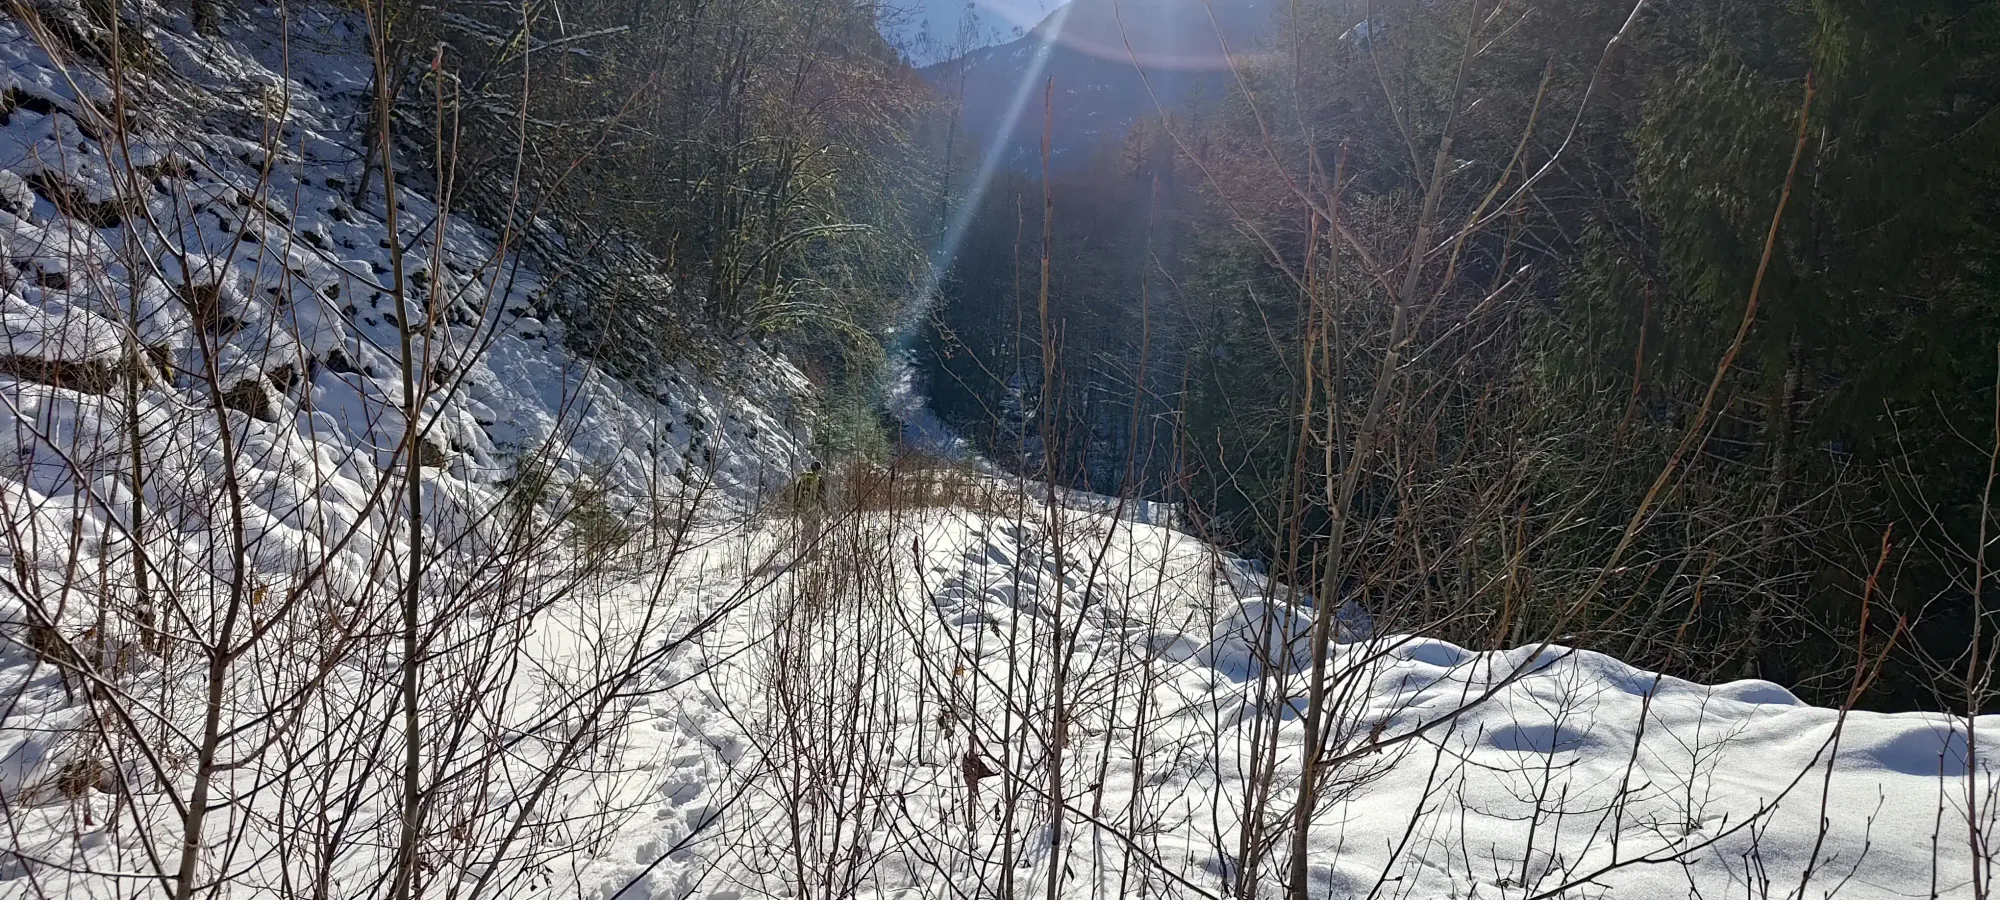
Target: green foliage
<point x="692" y="174"/>
<point x="594" y="526"/>
<point x="1863" y="399"/>
<point x="580" y="504"/>
<point x="1559" y="351"/>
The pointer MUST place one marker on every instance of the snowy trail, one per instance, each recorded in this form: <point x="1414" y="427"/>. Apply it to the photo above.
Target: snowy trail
<point x="812" y="741"/>
<point x="1581" y="777"/>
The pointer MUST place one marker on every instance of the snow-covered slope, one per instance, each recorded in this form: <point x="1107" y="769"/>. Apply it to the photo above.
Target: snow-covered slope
<point x="930" y="31"/>
<point x="245" y="161"/>
<point x="203" y="403"/>
<point x="826" y="746"/>
<point x="812" y="689"/>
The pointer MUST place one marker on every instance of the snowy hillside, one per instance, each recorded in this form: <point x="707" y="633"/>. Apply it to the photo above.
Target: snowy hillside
<point x="931" y="31"/>
<point x="251" y="239"/>
<point x="800" y="718"/>
<point x="204" y="382"/>
<point x="823" y="751"/>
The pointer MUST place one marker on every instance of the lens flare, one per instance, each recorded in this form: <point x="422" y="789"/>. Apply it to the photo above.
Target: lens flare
<point x="989" y="164"/>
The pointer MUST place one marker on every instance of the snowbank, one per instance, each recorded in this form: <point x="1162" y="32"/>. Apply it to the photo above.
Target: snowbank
<point x="1531" y="772"/>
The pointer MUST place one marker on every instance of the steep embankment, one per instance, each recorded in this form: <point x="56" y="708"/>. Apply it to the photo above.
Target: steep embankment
<point x="224" y="231"/>
<point x="202" y="504"/>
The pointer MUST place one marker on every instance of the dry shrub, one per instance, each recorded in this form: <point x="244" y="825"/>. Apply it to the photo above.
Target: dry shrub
<point x="920" y="481"/>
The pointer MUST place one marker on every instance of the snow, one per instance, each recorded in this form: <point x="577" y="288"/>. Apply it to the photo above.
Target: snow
<point x="928" y="32"/>
<point x="1518" y="773"/>
<point x="166" y="260"/>
<point x="298" y="270"/>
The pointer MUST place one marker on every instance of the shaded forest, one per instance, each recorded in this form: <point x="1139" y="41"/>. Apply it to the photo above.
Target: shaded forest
<point x="1670" y="328"/>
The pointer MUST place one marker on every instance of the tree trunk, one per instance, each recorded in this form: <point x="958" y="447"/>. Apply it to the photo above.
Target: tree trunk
<point x="1778" y="431"/>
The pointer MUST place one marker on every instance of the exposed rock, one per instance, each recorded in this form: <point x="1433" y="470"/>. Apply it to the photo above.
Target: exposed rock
<point x="204" y="302"/>
<point x="91" y="377"/>
<point x="72" y="202"/>
<point x="15" y="196"/>
<point x="432" y="455"/>
<point x="14" y="98"/>
<point x="162" y="359"/>
<point x="252" y="398"/>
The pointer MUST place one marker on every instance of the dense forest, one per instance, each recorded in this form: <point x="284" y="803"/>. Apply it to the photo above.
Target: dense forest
<point x="706" y="172"/>
<point x="1670" y="328"/>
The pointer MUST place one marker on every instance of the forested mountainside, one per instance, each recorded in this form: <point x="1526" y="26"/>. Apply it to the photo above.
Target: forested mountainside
<point x="1701" y="289"/>
<point x="1088" y="50"/>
